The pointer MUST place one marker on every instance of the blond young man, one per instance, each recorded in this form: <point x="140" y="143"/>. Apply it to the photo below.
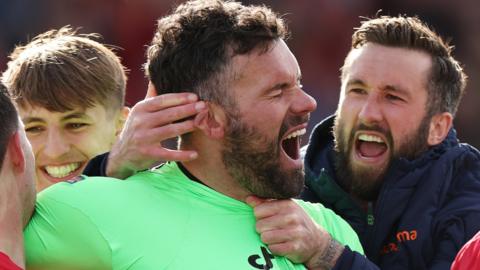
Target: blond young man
<point x="69" y="90"/>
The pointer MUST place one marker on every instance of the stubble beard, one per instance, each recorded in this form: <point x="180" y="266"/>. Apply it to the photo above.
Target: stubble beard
<point x="253" y="161"/>
<point x="364" y="182"/>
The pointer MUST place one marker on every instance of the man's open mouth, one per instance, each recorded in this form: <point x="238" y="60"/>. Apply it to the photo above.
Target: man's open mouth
<point x="370" y="146"/>
<point x="291" y="143"/>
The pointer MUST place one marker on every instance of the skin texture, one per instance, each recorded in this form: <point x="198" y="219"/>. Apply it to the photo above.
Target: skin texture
<point x="17" y="195"/>
<point x="271" y="105"/>
<point x="267" y="92"/>
<point x="69" y="139"/>
<point x="381" y="88"/>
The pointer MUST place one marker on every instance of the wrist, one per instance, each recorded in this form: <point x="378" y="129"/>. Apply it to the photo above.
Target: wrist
<point x="328" y="257"/>
<point x="112" y="169"/>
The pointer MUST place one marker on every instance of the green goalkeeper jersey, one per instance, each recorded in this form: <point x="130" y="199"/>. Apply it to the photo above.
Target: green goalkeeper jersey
<point x="157" y="219"/>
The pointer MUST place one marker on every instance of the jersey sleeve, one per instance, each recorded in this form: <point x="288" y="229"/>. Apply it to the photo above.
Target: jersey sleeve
<point x="60" y="236"/>
<point x="338" y="228"/>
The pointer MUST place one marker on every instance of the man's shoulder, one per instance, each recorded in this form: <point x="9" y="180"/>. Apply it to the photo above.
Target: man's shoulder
<point x="80" y="183"/>
<point x="464" y="163"/>
<point x="84" y="191"/>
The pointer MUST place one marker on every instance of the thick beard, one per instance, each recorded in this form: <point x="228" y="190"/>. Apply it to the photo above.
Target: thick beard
<point x="365" y="183"/>
<point x="254" y="161"/>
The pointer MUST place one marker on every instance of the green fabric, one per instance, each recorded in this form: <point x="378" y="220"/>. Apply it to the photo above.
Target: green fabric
<point x="153" y="220"/>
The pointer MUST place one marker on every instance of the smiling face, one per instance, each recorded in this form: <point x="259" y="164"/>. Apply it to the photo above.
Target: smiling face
<point x="381" y="115"/>
<point x="262" y="144"/>
<point x="63" y="142"/>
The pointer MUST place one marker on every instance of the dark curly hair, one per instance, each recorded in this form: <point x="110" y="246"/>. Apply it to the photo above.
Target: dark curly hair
<point x="193" y="47"/>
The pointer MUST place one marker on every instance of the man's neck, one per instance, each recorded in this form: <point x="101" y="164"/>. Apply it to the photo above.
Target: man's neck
<point x="11" y="220"/>
<point x="210" y="170"/>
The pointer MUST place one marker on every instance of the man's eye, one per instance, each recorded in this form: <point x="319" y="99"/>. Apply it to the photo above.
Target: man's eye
<point x="276" y="93"/>
<point x="393" y="97"/>
<point x="34" y="130"/>
<point x="76" y="125"/>
<point x="357" y="91"/>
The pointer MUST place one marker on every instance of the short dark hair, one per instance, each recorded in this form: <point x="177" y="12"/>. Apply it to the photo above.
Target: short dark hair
<point x="447" y="80"/>
<point x="193" y="46"/>
<point x="8" y="119"/>
<point x="61" y="70"/>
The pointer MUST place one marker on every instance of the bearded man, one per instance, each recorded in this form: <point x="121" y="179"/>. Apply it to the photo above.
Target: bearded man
<point x="193" y="215"/>
<point x="389" y="161"/>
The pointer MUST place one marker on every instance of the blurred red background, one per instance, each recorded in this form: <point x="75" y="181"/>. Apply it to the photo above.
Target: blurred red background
<point x="321" y="31"/>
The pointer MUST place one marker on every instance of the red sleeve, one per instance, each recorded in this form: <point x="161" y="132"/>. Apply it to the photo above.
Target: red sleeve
<point x="6" y="263"/>
<point x="469" y="256"/>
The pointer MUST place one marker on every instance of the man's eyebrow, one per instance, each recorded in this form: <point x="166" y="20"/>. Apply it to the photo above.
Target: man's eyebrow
<point x="74" y="115"/>
<point x="287" y="84"/>
<point x="356" y="82"/>
<point x="32" y="119"/>
<point x="397" y="89"/>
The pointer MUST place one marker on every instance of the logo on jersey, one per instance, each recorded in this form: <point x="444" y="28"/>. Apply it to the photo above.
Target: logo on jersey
<point x="76" y="179"/>
<point x="263" y="261"/>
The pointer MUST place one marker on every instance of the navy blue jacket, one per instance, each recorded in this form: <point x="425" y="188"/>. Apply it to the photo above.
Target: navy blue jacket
<point x="426" y="210"/>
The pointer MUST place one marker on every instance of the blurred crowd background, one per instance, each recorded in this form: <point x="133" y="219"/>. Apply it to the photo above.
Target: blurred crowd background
<point x="321" y="32"/>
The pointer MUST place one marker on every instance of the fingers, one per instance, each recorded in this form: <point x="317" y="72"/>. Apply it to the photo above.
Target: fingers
<point x="161" y="153"/>
<point x="281" y="235"/>
<point x="254" y="201"/>
<point x="289" y="250"/>
<point x="169" y="131"/>
<point x="174" y="114"/>
<point x="273" y="207"/>
<point x="166" y="101"/>
<point x="275" y="222"/>
<point x="166" y="116"/>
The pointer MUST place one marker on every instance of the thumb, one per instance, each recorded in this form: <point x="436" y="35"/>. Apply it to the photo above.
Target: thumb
<point x="254" y="201"/>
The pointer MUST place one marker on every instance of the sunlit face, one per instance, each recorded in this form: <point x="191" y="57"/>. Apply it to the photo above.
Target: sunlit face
<point x="381" y="114"/>
<point x="63" y="142"/>
<point x="262" y="138"/>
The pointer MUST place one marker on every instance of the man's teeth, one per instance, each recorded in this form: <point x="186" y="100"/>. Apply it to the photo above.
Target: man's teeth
<point x="370" y="138"/>
<point x="61" y="171"/>
<point x="297" y="133"/>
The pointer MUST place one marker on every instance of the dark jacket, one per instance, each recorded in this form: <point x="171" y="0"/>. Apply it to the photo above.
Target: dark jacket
<point x="426" y="210"/>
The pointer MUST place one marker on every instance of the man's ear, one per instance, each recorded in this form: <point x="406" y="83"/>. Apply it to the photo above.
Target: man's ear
<point x="440" y="125"/>
<point x="151" y="91"/>
<point x="15" y="153"/>
<point x="211" y="121"/>
<point x="122" y="118"/>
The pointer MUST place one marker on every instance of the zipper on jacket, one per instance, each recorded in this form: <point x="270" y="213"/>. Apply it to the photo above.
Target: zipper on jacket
<point x="370" y="218"/>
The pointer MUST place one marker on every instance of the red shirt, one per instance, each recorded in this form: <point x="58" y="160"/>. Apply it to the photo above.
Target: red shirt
<point x="6" y="263"/>
<point x="468" y="257"/>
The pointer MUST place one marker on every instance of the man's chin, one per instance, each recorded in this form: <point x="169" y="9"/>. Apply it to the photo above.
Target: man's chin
<point x="367" y="181"/>
<point x="280" y="185"/>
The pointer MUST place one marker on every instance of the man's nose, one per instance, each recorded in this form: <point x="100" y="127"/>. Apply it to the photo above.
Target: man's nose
<point x="56" y="144"/>
<point x="370" y="112"/>
<point x="303" y="103"/>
